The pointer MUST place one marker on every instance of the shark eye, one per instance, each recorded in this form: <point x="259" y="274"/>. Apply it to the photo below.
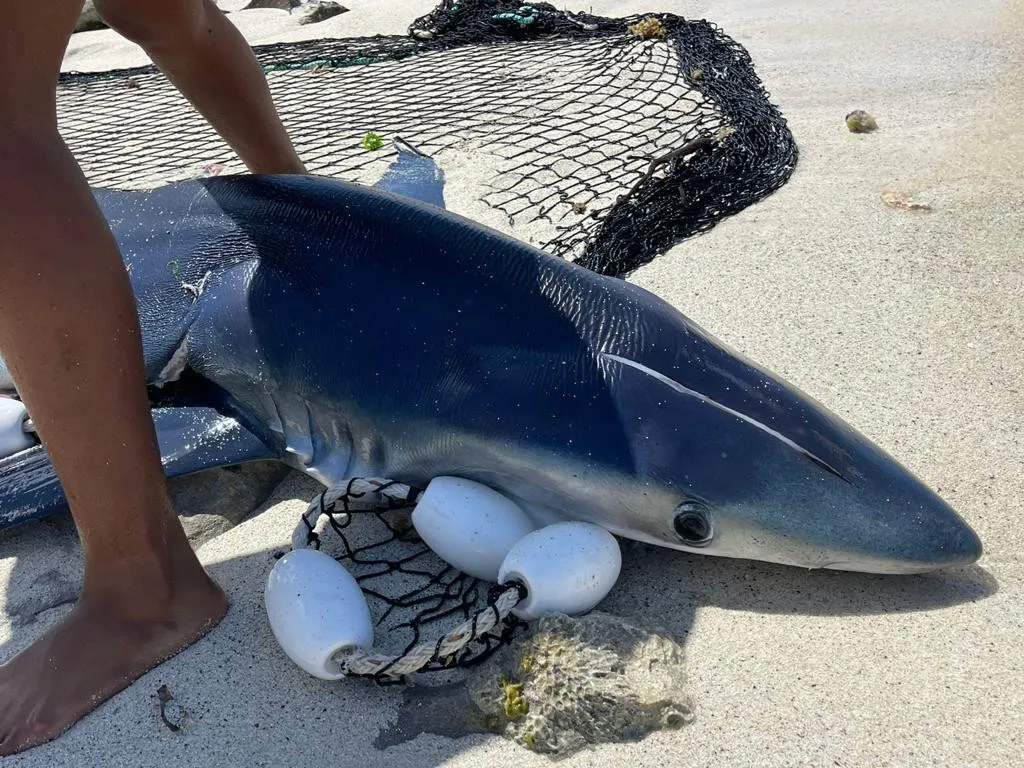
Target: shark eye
<point x="693" y="524"/>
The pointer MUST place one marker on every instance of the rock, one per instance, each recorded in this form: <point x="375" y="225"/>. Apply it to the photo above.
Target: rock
<point x="281" y="5"/>
<point x="211" y="502"/>
<point x="860" y="121"/>
<point x="89" y="19"/>
<point x="313" y="12"/>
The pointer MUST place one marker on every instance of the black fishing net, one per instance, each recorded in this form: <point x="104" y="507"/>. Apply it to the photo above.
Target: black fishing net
<point x="549" y="119"/>
<point x="414" y="596"/>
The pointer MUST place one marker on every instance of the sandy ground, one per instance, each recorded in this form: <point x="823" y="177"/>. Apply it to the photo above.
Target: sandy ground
<point x="909" y="325"/>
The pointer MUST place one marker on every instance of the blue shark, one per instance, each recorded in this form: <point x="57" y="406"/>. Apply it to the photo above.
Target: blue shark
<point x="355" y="331"/>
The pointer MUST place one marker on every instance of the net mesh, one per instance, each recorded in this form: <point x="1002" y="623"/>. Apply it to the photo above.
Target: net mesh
<point x="552" y="120"/>
<point x="414" y="597"/>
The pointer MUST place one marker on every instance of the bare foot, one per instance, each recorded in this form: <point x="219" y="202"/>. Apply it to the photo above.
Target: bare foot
<point x="104" y="645"/>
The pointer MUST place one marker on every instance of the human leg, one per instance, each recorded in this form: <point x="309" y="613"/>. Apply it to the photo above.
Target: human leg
<point x="69" y="334"/>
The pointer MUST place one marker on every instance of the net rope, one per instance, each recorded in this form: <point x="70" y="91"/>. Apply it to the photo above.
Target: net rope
<point x="559" y="114"/>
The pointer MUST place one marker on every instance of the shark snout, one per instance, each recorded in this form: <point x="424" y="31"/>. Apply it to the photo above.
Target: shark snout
<point x="851" y="529"/>
<point x="916" y="532"/>
<point x="875" y="516"/>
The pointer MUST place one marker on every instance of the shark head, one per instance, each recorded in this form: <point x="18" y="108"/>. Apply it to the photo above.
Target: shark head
<point x="729" y="460"/>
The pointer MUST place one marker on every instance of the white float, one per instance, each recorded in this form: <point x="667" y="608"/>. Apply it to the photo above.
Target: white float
<point x="316" y="609"/>
<point x="13" y="437"/>
<point x="566" y="568"/>
<point x="469" y="525"/>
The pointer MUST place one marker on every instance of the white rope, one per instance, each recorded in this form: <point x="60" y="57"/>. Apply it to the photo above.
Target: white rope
<point x="361" y="662"/>
<point x="361" y="495"/>
<point x="372" y="494"/>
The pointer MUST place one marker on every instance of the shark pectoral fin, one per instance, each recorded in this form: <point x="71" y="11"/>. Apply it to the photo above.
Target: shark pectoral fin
<point x="197" y="438"/>
<point x="414" y="175"/>
<point x="28" y="487"/>
<point x="191" y="439"/>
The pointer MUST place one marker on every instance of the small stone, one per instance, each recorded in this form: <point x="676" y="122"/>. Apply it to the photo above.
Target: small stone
<point x="860" y="121"/>
<point x="89" y="19"/>
<point x="281" y="5"/>
<point x="314" y="12"/>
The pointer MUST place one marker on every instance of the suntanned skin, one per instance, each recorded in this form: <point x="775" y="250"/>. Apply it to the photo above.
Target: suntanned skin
<point x="69" y="333"/>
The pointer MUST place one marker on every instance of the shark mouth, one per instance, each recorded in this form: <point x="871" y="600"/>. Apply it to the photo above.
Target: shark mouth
<point x="684" y="390"/>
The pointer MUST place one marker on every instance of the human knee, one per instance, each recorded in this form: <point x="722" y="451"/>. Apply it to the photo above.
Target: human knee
<point x="154" y="22"/>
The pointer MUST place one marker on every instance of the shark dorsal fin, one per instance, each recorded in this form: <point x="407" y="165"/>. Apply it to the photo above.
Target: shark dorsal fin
<point x="413" y="174"/>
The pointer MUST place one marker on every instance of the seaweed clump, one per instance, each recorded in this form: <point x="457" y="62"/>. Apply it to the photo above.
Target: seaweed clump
<point x="650" y="28"/>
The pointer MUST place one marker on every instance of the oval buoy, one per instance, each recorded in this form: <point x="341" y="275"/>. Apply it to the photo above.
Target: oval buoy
<point x="316" y="610"/>
<point x="469" y="525"/>
<point x="566" y="568"/>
